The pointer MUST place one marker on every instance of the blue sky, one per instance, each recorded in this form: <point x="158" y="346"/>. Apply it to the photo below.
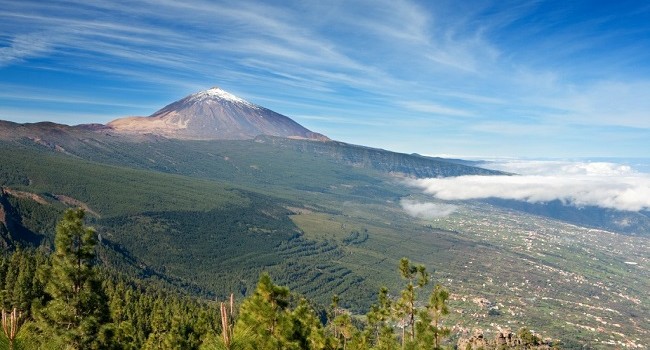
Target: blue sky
<point x="462" y="78"/>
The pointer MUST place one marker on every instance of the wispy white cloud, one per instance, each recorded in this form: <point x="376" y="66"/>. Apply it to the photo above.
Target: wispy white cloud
<point x="508" y="128"/>
<point x="427" y="210"/>
<point x="474" y="98"/>
<point x="24" y="46"/>
<point x="605" y="103"/>
<point x="74" y="100"/>
<point x="433" y="108"/>
<point x="401" y="21"/>
<point x="340" y="120"/>
<point x="561" y="168"/>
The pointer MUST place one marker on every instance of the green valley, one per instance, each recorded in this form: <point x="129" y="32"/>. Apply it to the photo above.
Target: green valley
<point x="207" y="217"/>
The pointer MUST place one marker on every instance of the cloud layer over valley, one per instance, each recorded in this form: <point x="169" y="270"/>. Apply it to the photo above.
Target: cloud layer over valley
<point x="581" y="184"/>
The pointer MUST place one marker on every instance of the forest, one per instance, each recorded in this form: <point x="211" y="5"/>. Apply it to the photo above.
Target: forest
<point x="66" y="299"/>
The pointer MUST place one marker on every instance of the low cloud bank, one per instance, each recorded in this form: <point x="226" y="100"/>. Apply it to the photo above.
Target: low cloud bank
<point x="605" y="185"/>
<point x="427" y="210"/>
<point x="561" y="168"/>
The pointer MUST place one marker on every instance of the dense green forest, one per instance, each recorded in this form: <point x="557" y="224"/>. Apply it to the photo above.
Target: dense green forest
<point x="205" y="219"/>
<point x="66" y="299"/>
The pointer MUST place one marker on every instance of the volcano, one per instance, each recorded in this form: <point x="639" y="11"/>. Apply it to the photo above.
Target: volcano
<point x="214" y="114"/>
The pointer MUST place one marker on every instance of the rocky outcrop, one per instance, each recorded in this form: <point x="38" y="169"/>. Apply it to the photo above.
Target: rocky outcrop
<point x="3" y="215"/>
<point x="476" y="341"/>
<point x="502" y="340"/>
<point x="12" y="229"/>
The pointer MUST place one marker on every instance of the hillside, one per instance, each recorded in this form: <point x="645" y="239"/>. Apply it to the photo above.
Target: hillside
<point x="324" y="223"/>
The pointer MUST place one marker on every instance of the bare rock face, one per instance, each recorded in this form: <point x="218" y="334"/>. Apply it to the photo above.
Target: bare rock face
<point x="476" y="341"/>
<point x="214" y="114"/>
<point x="502" y="340"/>
<point x="507" y="339"/>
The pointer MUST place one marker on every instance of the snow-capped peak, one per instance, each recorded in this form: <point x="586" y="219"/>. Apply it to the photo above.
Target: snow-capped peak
<point x="218" y="93"/>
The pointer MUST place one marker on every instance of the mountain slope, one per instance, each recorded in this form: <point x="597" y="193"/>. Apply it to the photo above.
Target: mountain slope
<point x="210" y="215"/>
<point x="198" y="157"/>
<point x="214" y="114"/>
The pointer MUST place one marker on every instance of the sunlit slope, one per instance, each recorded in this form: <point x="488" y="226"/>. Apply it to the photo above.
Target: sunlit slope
<point x="215" y="214"/>
<point x="506" y="269"/>
<point x="214" y="233"/>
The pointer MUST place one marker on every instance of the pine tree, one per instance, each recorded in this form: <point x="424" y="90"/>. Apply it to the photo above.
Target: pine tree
<point x="265" y="314"/>
<point x="346" y="329"/>
<point x="228" y="339"/>
<point x="527" y="337"/>
<point x="437" y="307"/>
<point x="406" y="309"/>
<point x="11" y="322"/>
<point x="380" y="331"/>
<point x="78" y="306"/>
<point x="429" y="328"/>
<point x="332" y="312"/>
<point x="307" y="329"/>
<point x="19" y="288"/>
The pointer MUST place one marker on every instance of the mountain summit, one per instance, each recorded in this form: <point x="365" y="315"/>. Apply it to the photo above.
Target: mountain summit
<point x="214" y="114"/>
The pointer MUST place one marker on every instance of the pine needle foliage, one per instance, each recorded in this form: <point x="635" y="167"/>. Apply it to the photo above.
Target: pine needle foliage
<point x="78" y="307"/>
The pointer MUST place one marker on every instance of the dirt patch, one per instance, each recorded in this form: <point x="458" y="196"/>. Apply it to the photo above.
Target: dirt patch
<point x="296" y="210"/>
<point x="28" y="195"/>
<point x="76" y="203"/>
